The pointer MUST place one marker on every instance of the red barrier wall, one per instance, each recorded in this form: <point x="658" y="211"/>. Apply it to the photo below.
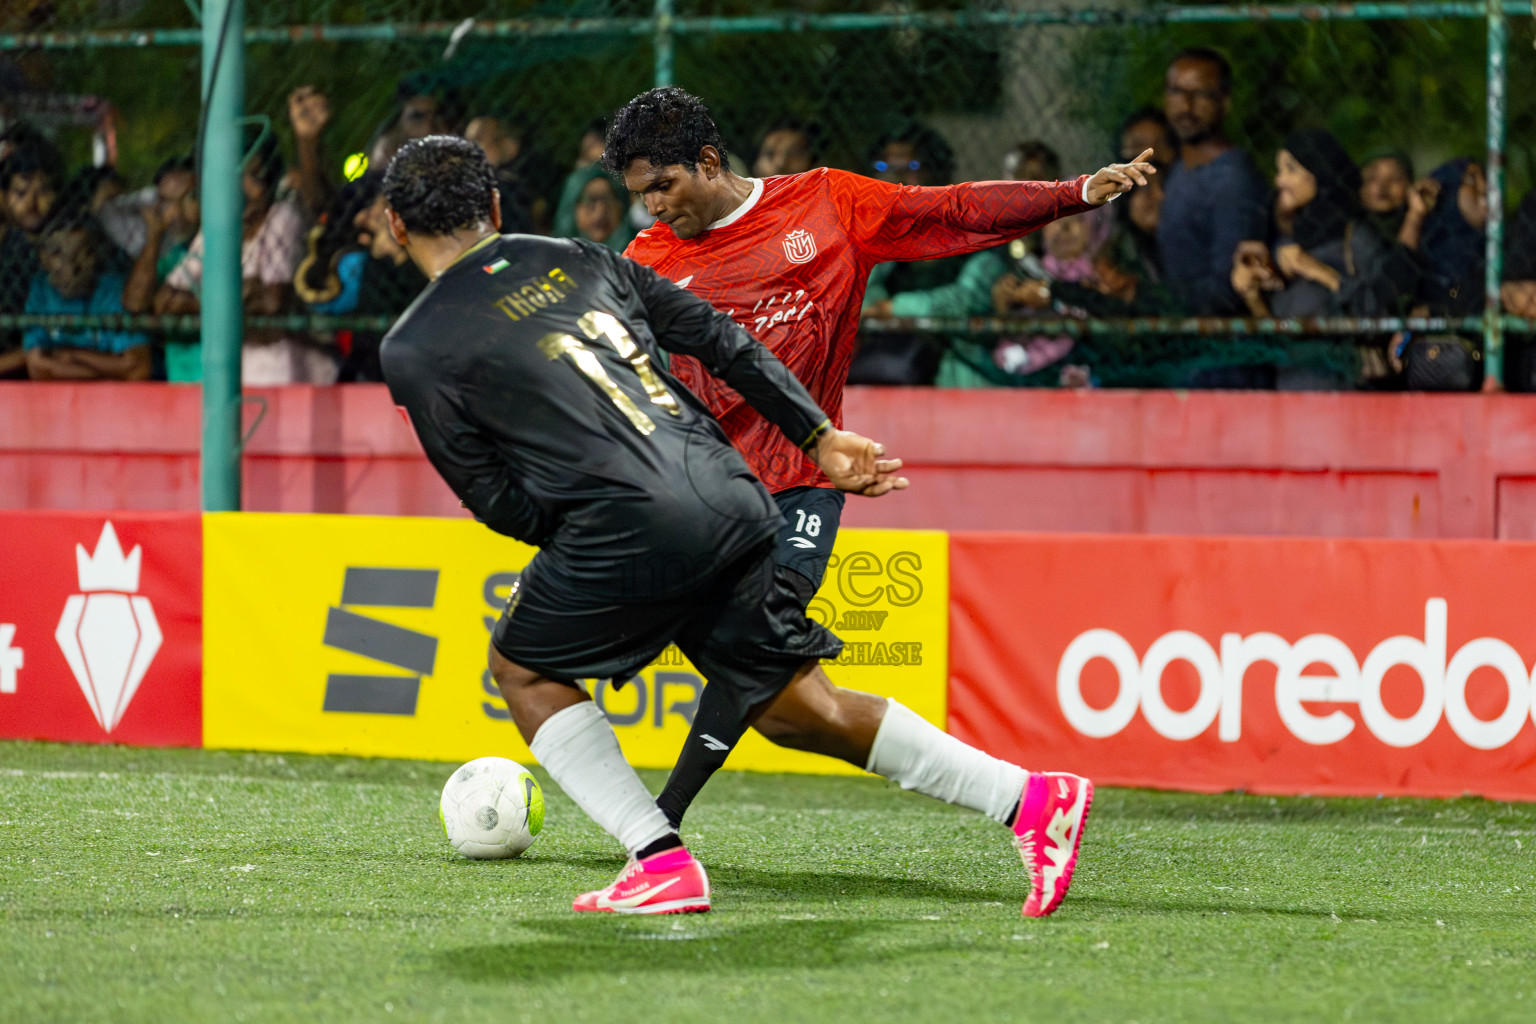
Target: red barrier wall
<point x="1164" y="462"/>
<point x="135" y="446"/>
<point x="1102" y="461"/>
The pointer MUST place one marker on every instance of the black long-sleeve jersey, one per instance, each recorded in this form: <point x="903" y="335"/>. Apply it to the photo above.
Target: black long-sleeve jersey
<point x="529" y="371"/>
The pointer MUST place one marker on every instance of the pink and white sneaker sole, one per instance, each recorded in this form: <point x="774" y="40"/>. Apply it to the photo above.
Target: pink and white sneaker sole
<point x="668" y="883"/>
<point x="1049" y="832"/>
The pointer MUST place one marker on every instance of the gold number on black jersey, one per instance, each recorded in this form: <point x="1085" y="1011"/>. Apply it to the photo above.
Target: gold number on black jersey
<point x="596" y="325"/>
<point x="556" y="345"/>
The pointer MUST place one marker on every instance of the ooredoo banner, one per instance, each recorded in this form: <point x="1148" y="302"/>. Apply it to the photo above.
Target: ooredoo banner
<point x="368" y="635"/>
<point x="100" y="627"/>
<point x="1280" y="665"/>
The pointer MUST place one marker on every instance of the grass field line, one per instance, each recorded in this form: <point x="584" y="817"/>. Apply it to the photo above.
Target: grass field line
<point x="1372" y="826"/>
<point x="194" y="777"/>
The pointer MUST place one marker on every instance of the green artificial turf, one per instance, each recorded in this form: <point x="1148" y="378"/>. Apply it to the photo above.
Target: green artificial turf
<point x="163" y="886"/>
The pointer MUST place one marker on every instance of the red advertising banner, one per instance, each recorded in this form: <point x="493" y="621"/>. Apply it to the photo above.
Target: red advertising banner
<point x="101" y="627"/>
<point x="1275" y="665"/>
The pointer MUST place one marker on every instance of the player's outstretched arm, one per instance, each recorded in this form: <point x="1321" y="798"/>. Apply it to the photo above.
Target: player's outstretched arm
<point x="1117" y="179"/>
<point x="853" y="463"/>
<point x="898" y="222"/>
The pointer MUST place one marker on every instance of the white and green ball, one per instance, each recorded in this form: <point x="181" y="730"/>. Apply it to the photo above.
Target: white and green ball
<point x="492" y="808"/>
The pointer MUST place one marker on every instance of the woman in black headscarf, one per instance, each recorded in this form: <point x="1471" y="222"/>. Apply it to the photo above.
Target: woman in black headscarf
<point x="1332" y="263"/>
<point x="1452" y="249"/>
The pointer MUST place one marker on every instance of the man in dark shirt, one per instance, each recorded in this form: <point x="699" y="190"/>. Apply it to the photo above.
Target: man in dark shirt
<point x="1213" y="197"/>
<point x="528" y="367"/>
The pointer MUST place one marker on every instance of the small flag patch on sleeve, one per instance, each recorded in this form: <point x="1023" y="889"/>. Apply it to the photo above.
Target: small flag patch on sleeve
<point x="496" y="268"/>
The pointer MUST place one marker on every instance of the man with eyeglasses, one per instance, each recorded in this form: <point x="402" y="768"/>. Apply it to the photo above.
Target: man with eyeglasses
<point x="1214" y="196"/>
<point x="788" y="258"/>
<point x="914" y="154"/>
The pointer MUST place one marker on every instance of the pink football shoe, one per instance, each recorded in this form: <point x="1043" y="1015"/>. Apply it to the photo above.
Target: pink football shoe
<point x="1048" y="831"/>
<point x="668" y="883"/>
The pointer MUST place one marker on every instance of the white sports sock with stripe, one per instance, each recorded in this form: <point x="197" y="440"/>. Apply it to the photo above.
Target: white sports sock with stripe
<point x="916" y="754"/>
<point x="578" y="748"/>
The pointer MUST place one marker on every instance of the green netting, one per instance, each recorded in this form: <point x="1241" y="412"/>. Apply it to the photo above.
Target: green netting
<point x="1415" y="84"/>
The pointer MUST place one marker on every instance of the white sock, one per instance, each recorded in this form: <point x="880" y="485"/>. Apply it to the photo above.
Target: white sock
<point x="916" y="754"/>
<point x="578" y="747"/>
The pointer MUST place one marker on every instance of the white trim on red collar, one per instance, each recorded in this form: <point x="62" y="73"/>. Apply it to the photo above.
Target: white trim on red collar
<point x="742" y="210"/>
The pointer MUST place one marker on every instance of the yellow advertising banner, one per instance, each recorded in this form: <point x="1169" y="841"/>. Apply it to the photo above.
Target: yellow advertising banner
<point x="368" y="635"/>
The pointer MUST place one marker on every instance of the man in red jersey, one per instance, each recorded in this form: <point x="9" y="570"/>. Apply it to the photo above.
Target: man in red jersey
<point x="788" y="258"/>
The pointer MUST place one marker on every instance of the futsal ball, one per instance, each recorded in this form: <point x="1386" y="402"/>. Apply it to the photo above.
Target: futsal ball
<point x="492" y="808"/>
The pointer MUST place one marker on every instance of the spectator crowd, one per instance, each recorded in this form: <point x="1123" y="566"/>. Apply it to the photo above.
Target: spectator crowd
<point x="1324" y="235"/>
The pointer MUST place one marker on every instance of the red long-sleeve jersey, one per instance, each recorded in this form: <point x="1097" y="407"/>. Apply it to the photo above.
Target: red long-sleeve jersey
<point x="791" y="264"/>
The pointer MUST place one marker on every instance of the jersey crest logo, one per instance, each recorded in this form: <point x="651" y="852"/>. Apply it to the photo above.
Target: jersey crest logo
<point x="799" y="246"/>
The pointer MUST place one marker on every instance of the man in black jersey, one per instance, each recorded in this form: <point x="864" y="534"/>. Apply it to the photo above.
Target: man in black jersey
<point x="527" y="367"/>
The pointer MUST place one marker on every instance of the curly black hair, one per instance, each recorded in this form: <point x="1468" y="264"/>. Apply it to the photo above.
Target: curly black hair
<point x="663" y="127"/>
<point x="440" y="184"/>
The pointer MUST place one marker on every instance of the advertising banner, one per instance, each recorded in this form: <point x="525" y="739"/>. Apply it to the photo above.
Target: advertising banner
<point x="101" y="627"/>
<point x="1277" y="665"/>
<point x="368" y="635"/>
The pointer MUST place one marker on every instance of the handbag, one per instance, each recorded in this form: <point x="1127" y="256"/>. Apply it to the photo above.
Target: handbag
<point x="1441" y="362"/>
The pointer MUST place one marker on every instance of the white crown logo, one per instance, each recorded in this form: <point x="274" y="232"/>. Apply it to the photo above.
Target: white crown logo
<point x="108" y="632"/>
<point x="800" y="246"/>
<point x="106" y="568"/>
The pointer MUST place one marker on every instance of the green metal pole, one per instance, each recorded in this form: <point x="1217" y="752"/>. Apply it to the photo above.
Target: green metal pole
<point x="222" y="202"/>
<point x="1493" y="324"/>
<point x="666" y="43"/>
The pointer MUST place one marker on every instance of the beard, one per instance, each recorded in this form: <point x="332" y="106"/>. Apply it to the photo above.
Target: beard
<point x="1194" y="135"/>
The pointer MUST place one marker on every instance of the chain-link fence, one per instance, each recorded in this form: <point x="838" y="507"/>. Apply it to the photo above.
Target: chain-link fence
<point x="1390" y="288"/>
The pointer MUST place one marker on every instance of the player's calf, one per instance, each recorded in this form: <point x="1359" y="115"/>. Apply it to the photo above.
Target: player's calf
<point x="814" y="715"/>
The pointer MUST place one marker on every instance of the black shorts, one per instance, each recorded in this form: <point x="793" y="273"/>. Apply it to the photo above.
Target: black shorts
<point x="811" y="518"/>
<point x="744" y="629"/>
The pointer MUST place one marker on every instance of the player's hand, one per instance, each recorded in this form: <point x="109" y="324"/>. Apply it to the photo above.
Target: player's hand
<point x="853" y="463"/>
<point x="1119" y="178"/>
